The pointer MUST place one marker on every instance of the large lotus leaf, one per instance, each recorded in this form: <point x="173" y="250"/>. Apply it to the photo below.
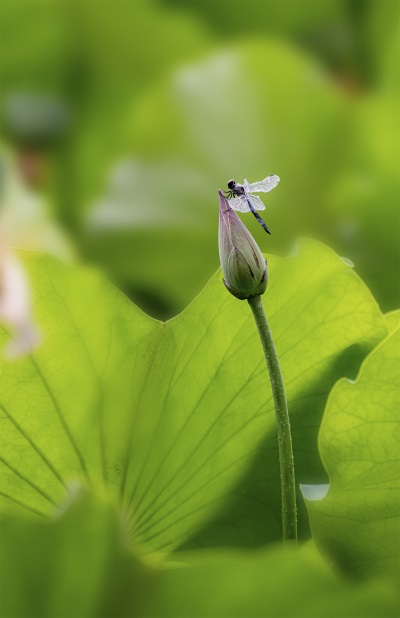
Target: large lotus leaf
<point x="393" y="320"/>
<point x="78" y="564"/>
<point x="358" y="522"/>
<point x="170" y="415"/>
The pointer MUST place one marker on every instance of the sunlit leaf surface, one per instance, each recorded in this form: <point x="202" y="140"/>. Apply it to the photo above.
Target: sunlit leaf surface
<point x="393" y="320"/>
<point x="169" y="416"/>
<point x="357" y="524"/>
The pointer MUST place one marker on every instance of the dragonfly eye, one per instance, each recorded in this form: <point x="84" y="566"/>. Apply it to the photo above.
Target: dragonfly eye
<point x="231" y="184"/>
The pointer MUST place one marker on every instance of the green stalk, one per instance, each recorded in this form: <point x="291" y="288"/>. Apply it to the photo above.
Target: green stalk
<point x="288" y="488"/>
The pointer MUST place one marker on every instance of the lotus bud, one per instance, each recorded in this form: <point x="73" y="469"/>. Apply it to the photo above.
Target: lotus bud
<point x="243" y="265"/>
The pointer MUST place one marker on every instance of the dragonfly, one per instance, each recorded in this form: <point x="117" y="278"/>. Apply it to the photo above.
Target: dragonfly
<point x="242" y="198"/>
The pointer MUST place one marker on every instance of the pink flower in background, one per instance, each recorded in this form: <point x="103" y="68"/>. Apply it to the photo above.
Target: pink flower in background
<point x="15" y="306"/>
<point x="25" y="221"/>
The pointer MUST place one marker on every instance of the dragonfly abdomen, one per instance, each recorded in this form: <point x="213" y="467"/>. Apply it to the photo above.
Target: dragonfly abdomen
<point x="257" y="216"/>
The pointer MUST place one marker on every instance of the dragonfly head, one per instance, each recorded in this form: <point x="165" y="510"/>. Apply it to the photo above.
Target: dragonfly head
<point x="231" y="184"/>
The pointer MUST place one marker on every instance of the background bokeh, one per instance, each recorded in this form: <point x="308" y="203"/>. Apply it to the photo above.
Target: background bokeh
<point x="120" y="120"/>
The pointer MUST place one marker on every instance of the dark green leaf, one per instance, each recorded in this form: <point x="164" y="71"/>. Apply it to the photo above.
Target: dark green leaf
<point x="358" y="523"/>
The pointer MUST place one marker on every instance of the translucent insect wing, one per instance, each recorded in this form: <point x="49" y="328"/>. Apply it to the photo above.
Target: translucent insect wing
<point x="239" y="203"/>
<point x="269" y="183"/>
<point x="256" y="202"/>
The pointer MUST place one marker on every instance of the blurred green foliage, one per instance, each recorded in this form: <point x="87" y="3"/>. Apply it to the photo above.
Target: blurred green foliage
<point x="90" y="571"/>
<point x="183" y="96"/>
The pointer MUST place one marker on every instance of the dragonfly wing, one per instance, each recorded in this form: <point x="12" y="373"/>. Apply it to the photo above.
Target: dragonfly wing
<point x="256" y="202"/>
<point x="239" y="203"/>
<point x="269" y="183"/>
